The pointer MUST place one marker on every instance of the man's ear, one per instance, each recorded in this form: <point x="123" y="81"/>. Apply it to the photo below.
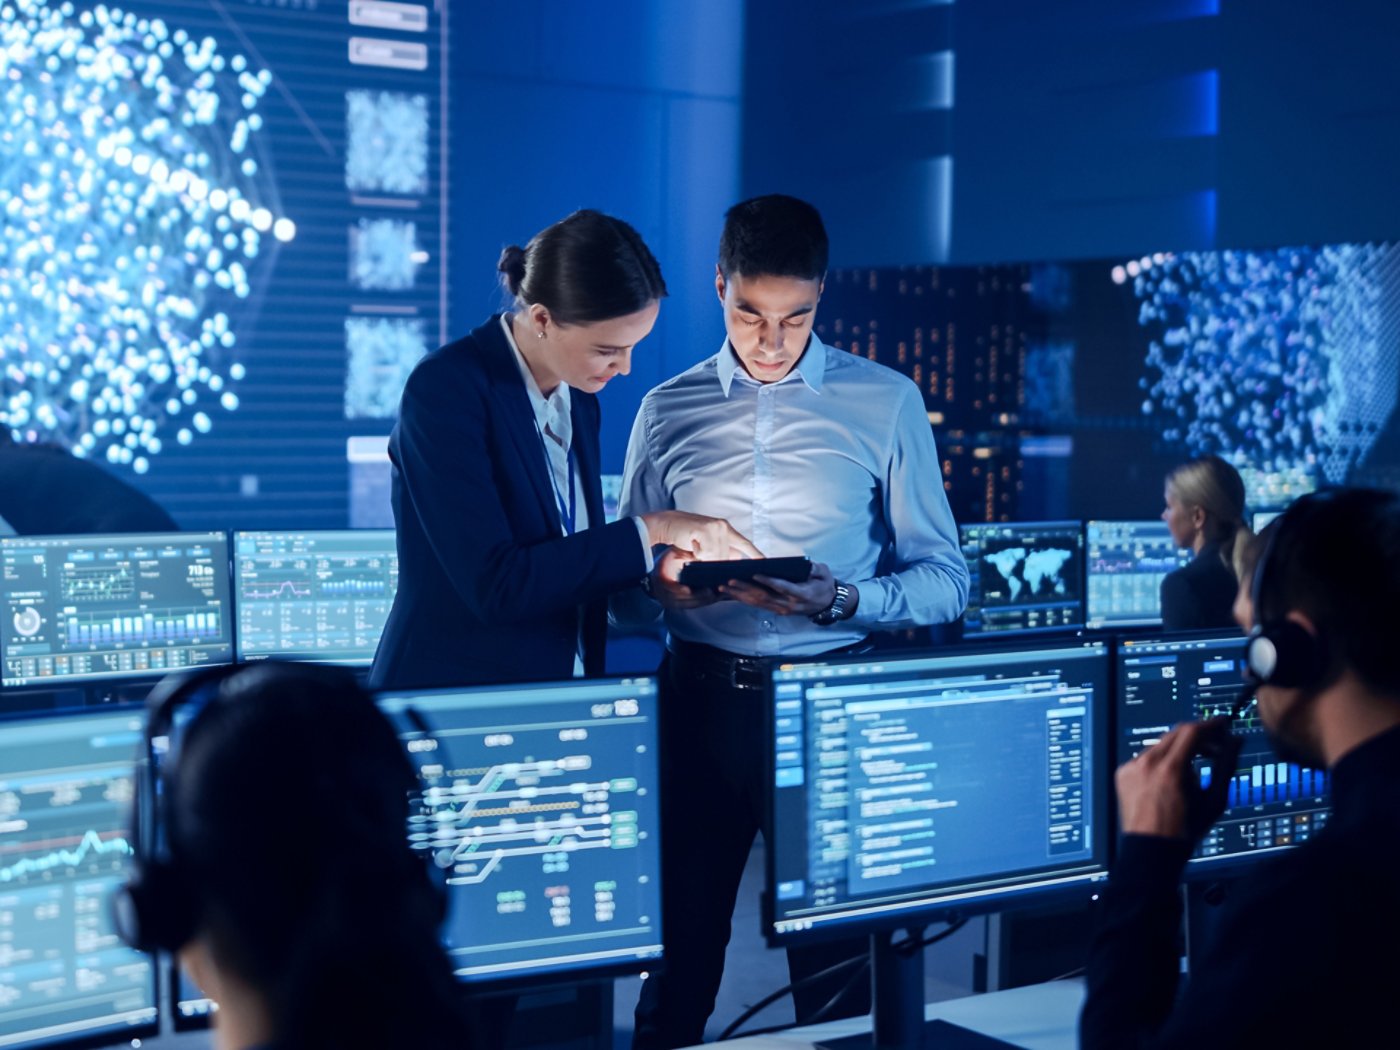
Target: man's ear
<point x="719" y="282"/>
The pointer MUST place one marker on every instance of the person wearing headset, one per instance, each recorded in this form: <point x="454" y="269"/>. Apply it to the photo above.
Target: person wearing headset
<point x="1205" y="513"/>
<point x="505" y="560"/>
<point x="272" y="857"/>
<point x="1303" y="955"/>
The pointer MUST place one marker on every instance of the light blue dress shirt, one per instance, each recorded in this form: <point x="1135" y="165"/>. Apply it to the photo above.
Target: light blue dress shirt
<point x="835" y="461"/>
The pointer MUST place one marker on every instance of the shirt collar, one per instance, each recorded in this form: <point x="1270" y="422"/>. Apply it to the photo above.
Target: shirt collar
<point x="559" y="399"/>
<point x="811" y="366"/>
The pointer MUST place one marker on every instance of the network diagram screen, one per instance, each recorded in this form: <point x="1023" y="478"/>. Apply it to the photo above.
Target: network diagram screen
<point x="314" y="595"/>
<point x="540" y="802"/>
<point x="1025" y="577"/>
<point x="88" y="608"/>
<point x="921" y="786"/>
<point x="66" y="785"/>
<point x="229" y="221"/>
<point x="1127" y="561"/>
<point x="1271" y="804"/>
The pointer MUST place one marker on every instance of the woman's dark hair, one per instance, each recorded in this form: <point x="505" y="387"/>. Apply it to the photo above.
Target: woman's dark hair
<point x="290" y="807"/>
<point x="585" y="268"/>
<point x="773" y="236"/>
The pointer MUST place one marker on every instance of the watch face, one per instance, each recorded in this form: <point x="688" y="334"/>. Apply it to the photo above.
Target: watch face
<point x="836" y="610"/>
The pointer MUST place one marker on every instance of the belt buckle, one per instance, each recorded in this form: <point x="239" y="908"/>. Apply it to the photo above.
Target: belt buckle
<point x="742" y="675"/>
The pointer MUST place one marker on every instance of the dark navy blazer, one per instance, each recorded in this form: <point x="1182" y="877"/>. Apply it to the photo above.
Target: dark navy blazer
<point x="489" y="587"/>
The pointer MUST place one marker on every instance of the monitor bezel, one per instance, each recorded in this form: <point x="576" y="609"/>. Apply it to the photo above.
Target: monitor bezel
<point x="1023" y="633"/>
<point x="113" y="1034"/>
<point x="298" y="657"/>
<point x="944" y="907"/>
<point x="120" y="680"/>
<point x="179" y="1021"/>
<point x="493" y="984"/>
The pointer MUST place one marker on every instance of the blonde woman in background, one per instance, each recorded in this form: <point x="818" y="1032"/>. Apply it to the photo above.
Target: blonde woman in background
<point x="1205" y="512"/>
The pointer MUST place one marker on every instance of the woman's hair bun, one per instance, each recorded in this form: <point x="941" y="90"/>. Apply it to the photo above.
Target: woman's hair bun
<point x="512" y="268"/>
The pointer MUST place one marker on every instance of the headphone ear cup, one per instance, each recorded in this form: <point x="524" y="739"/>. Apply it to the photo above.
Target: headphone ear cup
<point x="1285" y="654"/>
<point x="156" y="909"/>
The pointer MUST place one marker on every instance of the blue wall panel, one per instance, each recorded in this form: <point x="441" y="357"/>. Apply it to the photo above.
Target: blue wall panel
<point x="633" y="109"/>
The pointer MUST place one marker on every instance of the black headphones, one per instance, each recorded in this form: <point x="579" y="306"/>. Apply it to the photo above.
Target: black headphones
<point x="1282" y="652"/>
<point x="159" y="906"/>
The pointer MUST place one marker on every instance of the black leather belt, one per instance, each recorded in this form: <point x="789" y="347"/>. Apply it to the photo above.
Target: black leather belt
<point x="735" y="670"/>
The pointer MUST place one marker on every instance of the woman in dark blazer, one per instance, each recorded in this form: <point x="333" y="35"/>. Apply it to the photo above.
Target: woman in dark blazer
<point x="505" y="559"/>
<point x="1205" y="512"/>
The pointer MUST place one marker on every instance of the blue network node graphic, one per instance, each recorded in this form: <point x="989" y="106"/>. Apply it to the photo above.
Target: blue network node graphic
<point x="386" y="142"/>
<point x="137" y="205"/>
<point x="380" y="352"/>
<point x="1049" y="383"/>
<point x="384" y="255"/>
<point x="1283" y="360"/>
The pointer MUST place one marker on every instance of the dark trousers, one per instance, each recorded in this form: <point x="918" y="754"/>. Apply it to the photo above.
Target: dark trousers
<point x="712" y="769"/>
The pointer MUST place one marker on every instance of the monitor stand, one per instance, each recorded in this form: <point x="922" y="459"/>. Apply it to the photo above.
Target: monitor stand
<point x="897" y="988"/>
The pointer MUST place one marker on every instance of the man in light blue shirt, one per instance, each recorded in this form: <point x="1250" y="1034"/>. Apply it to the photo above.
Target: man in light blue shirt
<point x="807" y="450"/>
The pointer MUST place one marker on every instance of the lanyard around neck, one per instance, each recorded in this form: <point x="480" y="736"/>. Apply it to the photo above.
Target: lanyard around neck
<point x="568" y="512"/>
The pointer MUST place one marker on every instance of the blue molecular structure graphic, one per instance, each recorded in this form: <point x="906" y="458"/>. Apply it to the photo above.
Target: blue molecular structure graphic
<point x="384" y="255"/>
<point x="386" y="142"/>
<point x="137" y="207"/>
<point x="380" y="352"/>
<point x="1049" y="383"/>
<point x="1286" y="360"/>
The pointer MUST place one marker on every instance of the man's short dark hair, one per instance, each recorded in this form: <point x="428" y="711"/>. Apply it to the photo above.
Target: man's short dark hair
<point x="1335" y="557"/>
<point x="773" y="236"/>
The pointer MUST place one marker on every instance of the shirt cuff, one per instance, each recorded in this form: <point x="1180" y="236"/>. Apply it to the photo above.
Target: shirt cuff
<point x="867" y="612"/>
<point x="1150" y="861"/>
<point x="645" y="537"/>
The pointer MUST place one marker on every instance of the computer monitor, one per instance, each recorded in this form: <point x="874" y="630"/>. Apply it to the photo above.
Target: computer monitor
<point x="1272" y="804"/>
<point x="912" y="787"/>
<point x="1127" y="560"/>
<point x="540" y="801"/>
<point x="86" y="609"/>
<point x="314" y="595"/>
<point x="191" y="1009"/>
<point x="1025" y="577"/>
<point x="66" y="784"/>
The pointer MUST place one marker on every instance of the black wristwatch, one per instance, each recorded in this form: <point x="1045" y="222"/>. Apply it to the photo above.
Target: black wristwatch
<point x="836" y="611"/>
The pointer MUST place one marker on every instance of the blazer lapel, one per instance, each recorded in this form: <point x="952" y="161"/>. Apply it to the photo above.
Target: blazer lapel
<point x="518" y="415"/>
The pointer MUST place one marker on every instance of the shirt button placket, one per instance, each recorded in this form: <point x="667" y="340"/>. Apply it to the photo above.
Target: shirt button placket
<point x="763" y="495"/>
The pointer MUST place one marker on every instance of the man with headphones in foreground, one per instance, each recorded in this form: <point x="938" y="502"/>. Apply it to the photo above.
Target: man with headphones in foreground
<point x="1308" y="951"/>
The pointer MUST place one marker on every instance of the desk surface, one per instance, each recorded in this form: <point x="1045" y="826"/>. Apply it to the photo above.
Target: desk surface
<point x="1037" y="1017"/>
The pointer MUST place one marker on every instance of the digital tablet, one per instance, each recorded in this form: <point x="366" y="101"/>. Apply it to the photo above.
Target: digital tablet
<point x="716" y="573"/>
